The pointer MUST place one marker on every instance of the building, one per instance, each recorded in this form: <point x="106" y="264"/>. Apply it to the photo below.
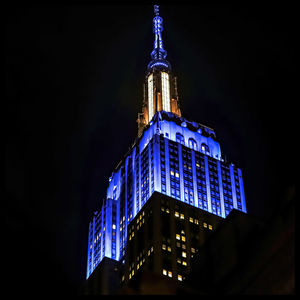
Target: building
<point x="164" y="236"/>
<point x="171" y="158"/>
<point x="174" y="248"/>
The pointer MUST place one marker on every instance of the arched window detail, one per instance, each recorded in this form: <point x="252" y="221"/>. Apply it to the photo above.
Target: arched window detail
<point x="179" y="138"/>
<point x="204" y="147"/>
<point x="192" y="144"/>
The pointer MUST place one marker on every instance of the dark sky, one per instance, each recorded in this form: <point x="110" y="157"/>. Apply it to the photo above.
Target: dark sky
<point x="73" y="78"/>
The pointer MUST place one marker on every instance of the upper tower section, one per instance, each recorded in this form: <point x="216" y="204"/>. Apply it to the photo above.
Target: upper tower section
<point x="158" y="53"/>
<point x="160" y="86"/>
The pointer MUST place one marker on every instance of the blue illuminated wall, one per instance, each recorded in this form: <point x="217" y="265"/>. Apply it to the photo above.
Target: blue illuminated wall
<point x="175" y="157"/>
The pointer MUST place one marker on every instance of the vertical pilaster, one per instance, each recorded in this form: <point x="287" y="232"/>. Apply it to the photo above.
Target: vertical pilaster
<point x="221" y="189"/>
<point x="168" y="191"/>
<point x="156" y="163"/>
<point x="194" y="179"/>
<point x="207" y="183"/>
<point x="181" y="172"/>
<point x="233" y="186"/>
<point x="242" y="192"/>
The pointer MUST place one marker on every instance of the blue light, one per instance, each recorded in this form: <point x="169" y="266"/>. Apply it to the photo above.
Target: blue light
<point x="159" y="63"/>
<point x="145" y="178"/>
<point x="158" y="53"/>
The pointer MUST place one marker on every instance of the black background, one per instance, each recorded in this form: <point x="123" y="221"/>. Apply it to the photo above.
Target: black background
<point x="73" y="78"/>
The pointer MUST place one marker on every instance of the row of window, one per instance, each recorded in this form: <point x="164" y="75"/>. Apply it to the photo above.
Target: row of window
<point x="191" y="143"/>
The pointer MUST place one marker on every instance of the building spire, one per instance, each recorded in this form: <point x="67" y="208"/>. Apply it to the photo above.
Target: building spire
<point x="158" y="54"/>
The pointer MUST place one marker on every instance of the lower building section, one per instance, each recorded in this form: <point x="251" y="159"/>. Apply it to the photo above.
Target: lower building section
<point x="175" y="248"/>
<point x="164" y="236"/>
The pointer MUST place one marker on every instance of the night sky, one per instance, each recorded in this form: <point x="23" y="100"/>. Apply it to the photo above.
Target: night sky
<point x="73" y="78"/>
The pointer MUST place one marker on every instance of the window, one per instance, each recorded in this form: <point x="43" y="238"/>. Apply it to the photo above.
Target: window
<point x="165" y="91"/>
<point x="179" y="138"/>
<point x="179" y="277"/>
<point x="150" y="97"/>
<point x="192" y="144"/>
<point x="204" y="147"/>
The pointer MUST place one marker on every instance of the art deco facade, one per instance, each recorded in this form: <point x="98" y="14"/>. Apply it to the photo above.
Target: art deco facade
<point x="172" y="156"/>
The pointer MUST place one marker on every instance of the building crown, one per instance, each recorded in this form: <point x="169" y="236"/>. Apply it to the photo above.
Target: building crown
<point x="160" y="87"/>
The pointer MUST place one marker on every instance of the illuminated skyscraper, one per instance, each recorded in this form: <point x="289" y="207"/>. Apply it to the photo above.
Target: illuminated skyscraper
<point x="171" y="155"/>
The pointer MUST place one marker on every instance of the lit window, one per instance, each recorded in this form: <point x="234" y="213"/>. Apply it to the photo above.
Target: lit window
<point x="177" y="174"/>
<point x="181" y="216"/>
<point x="209" y="227"/>
<point x="204" y="147"/>
<point x="172" y="173"/>
<point x="114" y="226"/>
<point x="150" y="97"/>
<point x="204" y="225"/>
<point x="177" y="236"/>
<point x="179" y="138"/>
<point x="176" y="214"/>
<point x="183" y="238"/>
<point x="191" y="220"/>
<point x="192" y="144"/>
<point x="183" y="254"/>
<point x="170" y="274"/>
<point x="179" y="277"/>
<point x="165" y="91"/>
<point x="164" y="247"/>
<point x="169" y="249"/>
<point x="164" y="272"/>
<point x="193" y="250"/>
<point x="184" y="263"/>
